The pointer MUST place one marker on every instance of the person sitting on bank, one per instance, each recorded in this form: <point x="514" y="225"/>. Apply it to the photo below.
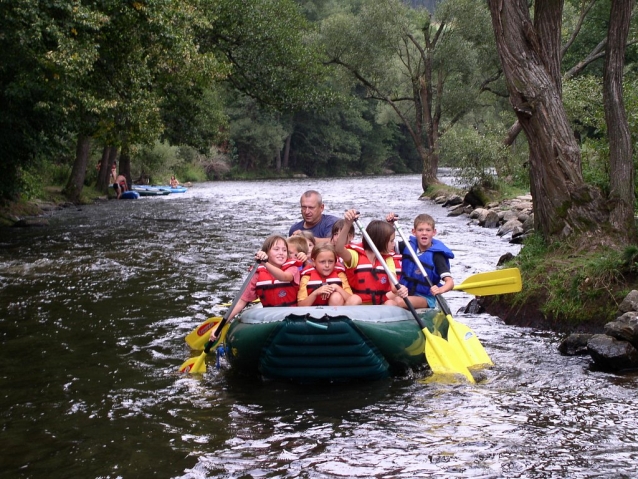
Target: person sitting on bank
<point x="120" y="185"/>
<point x="319" y="224"/>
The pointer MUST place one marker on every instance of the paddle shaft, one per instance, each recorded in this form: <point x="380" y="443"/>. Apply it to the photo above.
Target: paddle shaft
<point x="222" y="323"/>
<point x="391" y="276"/>
<point x="415" y="258"/>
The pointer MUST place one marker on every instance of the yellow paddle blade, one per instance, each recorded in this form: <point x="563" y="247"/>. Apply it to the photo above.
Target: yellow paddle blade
<point x="254" y="301"/>
<point x="463" y="339"/>
<point x="444" y="358"/>
<point x="197" y="338"/>
<point x="502" y="281"/>
<point x="194" y="365"/>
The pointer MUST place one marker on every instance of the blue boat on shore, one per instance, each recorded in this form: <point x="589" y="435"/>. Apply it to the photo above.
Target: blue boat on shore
<point x="158" y="189"/>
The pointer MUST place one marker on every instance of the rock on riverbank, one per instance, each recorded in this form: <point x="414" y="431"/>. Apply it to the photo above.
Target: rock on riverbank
<point x="513" y="217"/>
<point x="617" y="348"/>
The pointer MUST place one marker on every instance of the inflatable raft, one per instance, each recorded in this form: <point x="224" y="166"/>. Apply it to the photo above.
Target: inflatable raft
<point x="327" y="343"/>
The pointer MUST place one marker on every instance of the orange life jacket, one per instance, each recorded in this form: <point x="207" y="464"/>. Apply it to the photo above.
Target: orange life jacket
<point x="367" y="280"/>
<point x="315" y="281"/>
<point x="273" y="292"/>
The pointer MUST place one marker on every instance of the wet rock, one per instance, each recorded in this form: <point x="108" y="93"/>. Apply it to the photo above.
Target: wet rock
<point x="439" y="200"/>
<point x="624" y="328"/>
<point x="519" y="239"/>
<point x="457" y="210"/>
<point x="507" y="215"/>
<point x="31" y="222"/>
<point x="473" y="199"/>
<point x="522" y="217"/>
<point x="453" y="201"/>
<point x="504" y="259"/>
<point x="575" y="344"/>
<point x="528" y="225"/>
<point x="630" y="303"/>
<point x="611" y="354"/>
<point x="473" y="307"/>
<point x="491" y="220"/>
<point x="509" y="227"/>
<point x="477" y="213"/>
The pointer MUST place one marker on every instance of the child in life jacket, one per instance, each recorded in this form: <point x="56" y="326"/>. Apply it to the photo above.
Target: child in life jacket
<point x="367" y="277"/>
<point x="435" y="258"/>
<point x="276" y="281"/>
<point x="336" y="229"/>
<point x="298" y="251"/>
<point x="325" y="283"/>
<point x="312" y="242"/>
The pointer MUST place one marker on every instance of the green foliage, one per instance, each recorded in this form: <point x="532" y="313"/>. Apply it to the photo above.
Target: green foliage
<point x="630" y="259"/>
<point x="595" y="163"/>
<point x="29" y="184"/>
<point x="476" y="156"/>
<point x="189" y="172"/>
<point x="270" y="47"/>
<point x="573" y="286"/>
<point x="426" y="67"/>
<point x="583" y="100"/>
<point x="158" y="161"/>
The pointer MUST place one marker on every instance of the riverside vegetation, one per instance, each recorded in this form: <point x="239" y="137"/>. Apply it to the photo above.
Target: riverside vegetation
<point x="566" y="288"/>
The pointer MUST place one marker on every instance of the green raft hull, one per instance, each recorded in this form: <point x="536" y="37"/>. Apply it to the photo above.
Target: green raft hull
<point x="326" y="343"/>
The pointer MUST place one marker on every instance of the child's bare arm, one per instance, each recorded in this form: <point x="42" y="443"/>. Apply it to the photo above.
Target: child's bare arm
<point x="448" y="284"/>
<point x="349" y="217"/>
<point x="278" y="273"/>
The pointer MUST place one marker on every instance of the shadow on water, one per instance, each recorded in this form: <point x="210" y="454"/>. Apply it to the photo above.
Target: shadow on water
<point x="93" y="317"/>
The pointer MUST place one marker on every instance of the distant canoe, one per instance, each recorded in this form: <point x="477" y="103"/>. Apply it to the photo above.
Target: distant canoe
<point x="177" y="189"/>
<point x="327" y="343"/>
<point x="151" y="190"/>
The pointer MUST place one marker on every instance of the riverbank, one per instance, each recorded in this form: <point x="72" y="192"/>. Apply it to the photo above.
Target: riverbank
<point x="566" y="288"/>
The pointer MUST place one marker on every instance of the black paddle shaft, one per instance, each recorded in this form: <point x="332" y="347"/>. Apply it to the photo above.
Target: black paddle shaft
<point x="211" y="343"/>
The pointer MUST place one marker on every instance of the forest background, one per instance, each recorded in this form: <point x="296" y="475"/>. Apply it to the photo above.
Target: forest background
<point x="220" y="89"/>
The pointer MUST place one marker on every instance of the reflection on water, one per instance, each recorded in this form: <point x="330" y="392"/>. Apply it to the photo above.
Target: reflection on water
<point x="93" y="317"/>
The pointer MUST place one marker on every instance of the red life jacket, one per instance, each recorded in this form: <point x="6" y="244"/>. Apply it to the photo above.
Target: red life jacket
<point x="367" y="280"/>
<point x="315" y="281"/>
<point x="397" y="264"/>
<point x="273" y="292"/>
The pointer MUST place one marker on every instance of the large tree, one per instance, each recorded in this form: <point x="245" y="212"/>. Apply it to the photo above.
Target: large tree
<point x="530" y="53"/>
<point x="426" y="67"/>
<point x="621" y="194"/>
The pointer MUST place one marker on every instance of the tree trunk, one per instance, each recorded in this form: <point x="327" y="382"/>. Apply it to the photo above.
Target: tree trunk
<point x="73" y="188"/>
<point x="125" y="164"/>
<point x="108" y="155"/>
<point x="286" y="152"/>
<point x="278" y="161"/>
<point x="622" y="172"/>
<point x="563" y="203"/>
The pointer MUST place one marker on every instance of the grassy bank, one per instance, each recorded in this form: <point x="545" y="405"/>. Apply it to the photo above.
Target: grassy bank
<point x="566" y="286"/>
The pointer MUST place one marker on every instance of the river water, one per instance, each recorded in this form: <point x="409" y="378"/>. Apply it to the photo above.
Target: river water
<point x="94" y="311"/>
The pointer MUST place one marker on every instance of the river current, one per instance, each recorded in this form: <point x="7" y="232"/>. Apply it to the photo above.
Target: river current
<point x="94" y="309"/>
